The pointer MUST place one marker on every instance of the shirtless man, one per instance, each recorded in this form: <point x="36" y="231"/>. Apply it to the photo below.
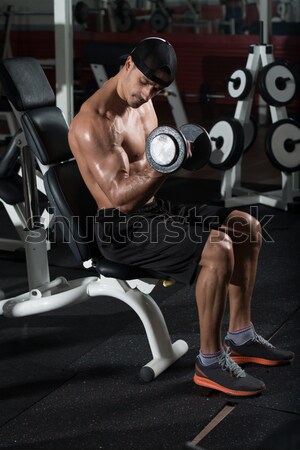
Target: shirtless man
<point x="216" y="248"/>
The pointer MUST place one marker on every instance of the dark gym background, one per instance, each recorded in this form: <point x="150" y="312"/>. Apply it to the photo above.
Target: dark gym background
<point x="69" y="378"/>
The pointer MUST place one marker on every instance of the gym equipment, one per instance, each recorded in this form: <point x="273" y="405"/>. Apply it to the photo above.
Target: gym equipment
<point x="283" y="145"/>
<point x="250" y="132"/>
<point x="191" y="18"/>
<point x="12" y="196"/>
<point x="46" y="132"/>
<point x="119" y="13"/>
<point x="11" y="183"/>
<point x="240" y="84"/>
<point x="123" y="16"/>
<point x="227" y="139"/>
<point x="63" y="62"/>
<point x="167" y="147"/>
<point x="205" y="94"/>
<point x="160" y="19"/>
<point x="277" y="83"/>
<point x="81" y="12"/>
<point x="6" y="113"/>
<point x="201" y="146"/>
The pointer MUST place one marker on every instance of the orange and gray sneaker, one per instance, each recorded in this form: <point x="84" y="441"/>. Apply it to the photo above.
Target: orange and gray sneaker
<point x="259" y="351"/>
<point x="227" y="376"/>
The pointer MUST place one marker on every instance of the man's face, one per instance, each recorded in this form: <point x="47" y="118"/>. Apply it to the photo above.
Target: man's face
<point x="141" y="89"/>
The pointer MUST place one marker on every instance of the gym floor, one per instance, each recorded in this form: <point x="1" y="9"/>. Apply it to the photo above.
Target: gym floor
<point x="70" y="378"/>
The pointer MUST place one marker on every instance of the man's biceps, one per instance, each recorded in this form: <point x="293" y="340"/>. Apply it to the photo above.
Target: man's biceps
<point x="105" y="175"/>
<point x="107" y="170"/>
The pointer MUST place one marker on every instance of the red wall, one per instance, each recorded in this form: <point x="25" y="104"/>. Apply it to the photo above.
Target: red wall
<point x="202" y="58"/>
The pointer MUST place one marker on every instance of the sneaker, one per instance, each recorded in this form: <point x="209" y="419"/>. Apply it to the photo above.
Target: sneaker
<point x="258" y="351"/>
<point x="226" y="376"/>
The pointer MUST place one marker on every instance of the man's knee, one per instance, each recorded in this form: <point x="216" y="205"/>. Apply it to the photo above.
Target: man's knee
<point x="255" y="231"/>
<point x="244" y="227"/>
<point x="218" y="252"/>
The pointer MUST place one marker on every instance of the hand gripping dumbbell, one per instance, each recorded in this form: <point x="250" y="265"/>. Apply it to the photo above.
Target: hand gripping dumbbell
<point x="167" y="148"/>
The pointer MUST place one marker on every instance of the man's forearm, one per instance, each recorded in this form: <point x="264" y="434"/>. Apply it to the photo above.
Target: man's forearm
<point x="136" y="190"/>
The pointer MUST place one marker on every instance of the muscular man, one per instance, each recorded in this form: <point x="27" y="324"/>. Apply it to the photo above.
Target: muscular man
<point x="215" y="248"/>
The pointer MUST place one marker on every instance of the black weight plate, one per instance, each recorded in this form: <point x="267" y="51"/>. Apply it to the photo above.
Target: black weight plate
<point x="283" y="146"/>
<point x="81" y="12"/>
<point x="201" y="146"/>
<point x="250" y="132"/>
<point x="159" y="21"/>
<point x="169" y="140"/>
<point x="227" y="138"/>
<point x="124" y="17"/>
<point x="241" y="87"/>
<point x="125" y="23"/>
<point x="272" y="87"/>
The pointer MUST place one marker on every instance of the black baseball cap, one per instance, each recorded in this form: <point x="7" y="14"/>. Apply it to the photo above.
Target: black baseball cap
<point x="152" y="54"/>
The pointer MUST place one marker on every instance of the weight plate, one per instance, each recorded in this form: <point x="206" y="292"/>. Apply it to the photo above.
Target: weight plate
<point x="166" y="149"/>
<point x="283" y="145"/>
<point x="159" y="21"/>
<point x="124" y="16"/>
<point x="240" y="84"/>
<point x="81" y="13"/>
<point x="201" y="146"/>
<point x="125" y="23"/>
<point x="227" y="139"/>
<point x="250" y="132"/>
<point x="277" y="83"/>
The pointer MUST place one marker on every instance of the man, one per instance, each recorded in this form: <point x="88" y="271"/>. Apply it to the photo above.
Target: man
<point x="215" y="247"/>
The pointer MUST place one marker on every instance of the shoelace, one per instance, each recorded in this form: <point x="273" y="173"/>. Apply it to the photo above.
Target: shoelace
<point x="227" y="363"/>
<point x="261" y="340"/>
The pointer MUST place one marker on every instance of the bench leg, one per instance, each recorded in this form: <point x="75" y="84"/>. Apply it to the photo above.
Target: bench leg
<point x="163" y="351"/>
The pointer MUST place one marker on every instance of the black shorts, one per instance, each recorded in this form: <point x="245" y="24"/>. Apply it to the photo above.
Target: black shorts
<point x="165" y="237"/>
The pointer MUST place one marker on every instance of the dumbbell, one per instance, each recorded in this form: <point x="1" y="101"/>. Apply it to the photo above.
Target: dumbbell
<point x="167" y="148"/>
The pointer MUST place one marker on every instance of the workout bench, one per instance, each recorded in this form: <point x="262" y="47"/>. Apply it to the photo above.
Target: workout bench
<point x="46" y="143"/>
<point x="11" y="195"/>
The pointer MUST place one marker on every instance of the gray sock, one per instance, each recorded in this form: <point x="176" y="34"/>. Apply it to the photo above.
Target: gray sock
<point x="242" y="336"/>
<point x="207" y="359"/>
